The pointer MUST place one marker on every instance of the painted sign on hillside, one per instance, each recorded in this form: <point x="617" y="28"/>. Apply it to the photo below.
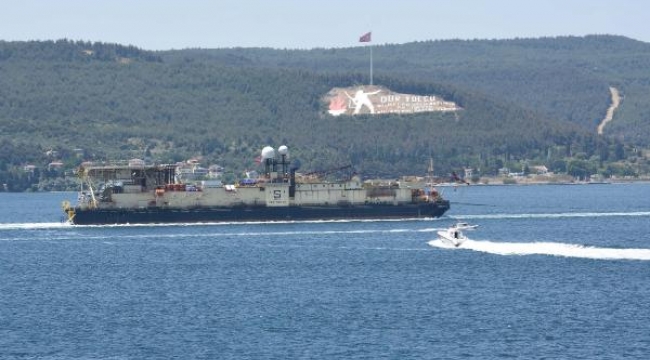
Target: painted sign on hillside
<point x="380" y="100"/>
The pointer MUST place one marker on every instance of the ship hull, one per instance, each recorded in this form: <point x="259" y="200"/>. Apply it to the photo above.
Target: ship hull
<point x="155" y="215"/>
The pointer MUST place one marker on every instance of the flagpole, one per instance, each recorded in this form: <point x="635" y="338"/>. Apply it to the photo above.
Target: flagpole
<point x="367" y="38"/>
<point x="370" y="63"/>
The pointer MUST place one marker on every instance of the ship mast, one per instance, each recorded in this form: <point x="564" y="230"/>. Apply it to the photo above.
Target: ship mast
<point x="89" y="182"/>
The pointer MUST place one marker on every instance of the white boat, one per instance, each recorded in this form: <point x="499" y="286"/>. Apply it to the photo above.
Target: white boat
<point x="454" y="235"/>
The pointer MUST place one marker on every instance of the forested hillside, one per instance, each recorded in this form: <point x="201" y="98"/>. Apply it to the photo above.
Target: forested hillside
<point x="534" y="101"/>
<point x="565" y="77"/>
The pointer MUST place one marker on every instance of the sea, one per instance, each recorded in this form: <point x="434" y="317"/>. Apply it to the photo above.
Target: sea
<point x="551" y="272"/>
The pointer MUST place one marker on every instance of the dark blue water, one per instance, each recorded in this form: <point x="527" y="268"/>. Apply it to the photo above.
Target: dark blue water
<point x="551" y="272"/>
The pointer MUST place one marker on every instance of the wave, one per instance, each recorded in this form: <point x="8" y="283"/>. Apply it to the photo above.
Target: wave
<point x="30" y="226"/>
<point x="49" y="225"/>
<point x="62" y="231"/>
<point x="552" y="216"/>
<point x="549" y="248"/>
<point x="55" y="225"/>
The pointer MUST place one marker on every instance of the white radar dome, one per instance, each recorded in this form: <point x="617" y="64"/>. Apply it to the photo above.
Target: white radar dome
<point x="283" y="150"/>
<point x="268" y="153"/>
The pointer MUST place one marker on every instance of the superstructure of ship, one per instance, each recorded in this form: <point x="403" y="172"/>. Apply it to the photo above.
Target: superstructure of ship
<point x="136" y="193"/>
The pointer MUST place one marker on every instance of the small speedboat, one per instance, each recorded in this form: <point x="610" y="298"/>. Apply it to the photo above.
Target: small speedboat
<point x="454" y="235"/>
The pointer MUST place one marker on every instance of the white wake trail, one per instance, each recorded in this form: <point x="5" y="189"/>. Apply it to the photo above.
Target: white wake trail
<point x="29" y="226"/>
<point x="550" y="248"/>
<point x="555" y="216"/>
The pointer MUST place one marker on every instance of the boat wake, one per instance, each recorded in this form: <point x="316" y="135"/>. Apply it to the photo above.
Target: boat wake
<point x="549" y="248"/>
<point x="56" y="225"/>
<point x="554" y="216"/>
<point x="30" y="226"/>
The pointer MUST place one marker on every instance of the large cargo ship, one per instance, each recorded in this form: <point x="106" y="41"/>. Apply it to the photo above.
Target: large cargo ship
<point x="136" y="193"/>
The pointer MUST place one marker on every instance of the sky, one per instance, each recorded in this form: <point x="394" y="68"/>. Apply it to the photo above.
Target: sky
<point x="307" y="24"/>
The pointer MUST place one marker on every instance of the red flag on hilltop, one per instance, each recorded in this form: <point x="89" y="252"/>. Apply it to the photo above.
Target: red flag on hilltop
<point x="365" y="37"/>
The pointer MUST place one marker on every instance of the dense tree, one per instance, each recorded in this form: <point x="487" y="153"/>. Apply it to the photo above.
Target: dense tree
<point x="535" y="99"/>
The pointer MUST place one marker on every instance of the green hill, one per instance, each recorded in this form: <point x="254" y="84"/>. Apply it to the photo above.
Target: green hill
<point x="537" y="101"/>
<point x="565" y="78"/>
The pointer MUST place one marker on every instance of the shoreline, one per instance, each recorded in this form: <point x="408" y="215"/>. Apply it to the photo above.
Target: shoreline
<point x="496" y="181"/>
<point x="554" y="183"/>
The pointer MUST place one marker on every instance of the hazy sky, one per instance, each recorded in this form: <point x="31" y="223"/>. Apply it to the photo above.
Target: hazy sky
<point x="167" y="24"/>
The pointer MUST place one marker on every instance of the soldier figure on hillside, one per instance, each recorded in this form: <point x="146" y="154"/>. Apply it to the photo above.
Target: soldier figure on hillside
<point x="361" y="98"/>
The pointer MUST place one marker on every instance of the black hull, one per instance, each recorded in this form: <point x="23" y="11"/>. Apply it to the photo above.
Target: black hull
<point x="242" y="214"/>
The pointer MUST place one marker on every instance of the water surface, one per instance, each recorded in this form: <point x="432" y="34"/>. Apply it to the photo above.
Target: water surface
<point x="551" y="272"/>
